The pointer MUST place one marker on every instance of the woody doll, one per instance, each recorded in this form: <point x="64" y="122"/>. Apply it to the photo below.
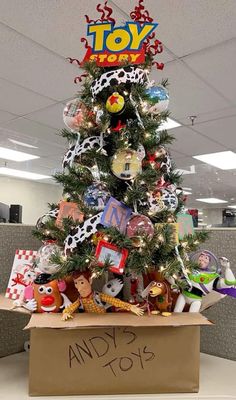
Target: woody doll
<point x="92" y="301"/>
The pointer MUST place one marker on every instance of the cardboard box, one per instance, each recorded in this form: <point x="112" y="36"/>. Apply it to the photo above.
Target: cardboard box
<point x="117" y="353"/>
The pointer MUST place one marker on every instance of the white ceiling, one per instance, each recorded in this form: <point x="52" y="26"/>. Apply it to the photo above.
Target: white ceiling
<point x="200" y="63"/>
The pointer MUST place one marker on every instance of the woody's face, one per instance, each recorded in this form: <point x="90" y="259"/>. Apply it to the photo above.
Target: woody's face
<point x="83" y="286"/>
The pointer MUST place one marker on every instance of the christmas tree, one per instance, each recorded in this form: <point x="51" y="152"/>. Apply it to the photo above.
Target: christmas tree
<point x="122" y="201"/>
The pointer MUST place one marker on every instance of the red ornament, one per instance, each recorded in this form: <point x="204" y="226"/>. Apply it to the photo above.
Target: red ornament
<point x="140" y="225"/>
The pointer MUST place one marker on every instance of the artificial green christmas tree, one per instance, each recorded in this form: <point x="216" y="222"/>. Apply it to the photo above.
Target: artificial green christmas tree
<point x="122" y="194"/>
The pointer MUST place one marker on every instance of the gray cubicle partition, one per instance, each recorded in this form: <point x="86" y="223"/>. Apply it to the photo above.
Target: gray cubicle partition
<point x="219" y="340"/>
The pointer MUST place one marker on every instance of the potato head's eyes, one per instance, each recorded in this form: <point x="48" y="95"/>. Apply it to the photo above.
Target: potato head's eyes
<point x="41" y="289"/>
<point x="49" y="290"/>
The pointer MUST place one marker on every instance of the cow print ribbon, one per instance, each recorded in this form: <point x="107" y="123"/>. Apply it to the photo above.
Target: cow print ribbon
<point x="77" y="149"/>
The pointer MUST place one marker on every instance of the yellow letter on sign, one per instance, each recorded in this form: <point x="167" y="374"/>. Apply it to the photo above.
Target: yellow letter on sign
<point x="98" y="32"/>
<point x="138" y="37"/>
<point x="118" y="40"/>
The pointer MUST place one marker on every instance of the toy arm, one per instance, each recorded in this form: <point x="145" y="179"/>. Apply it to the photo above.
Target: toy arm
<point x="121" y="304"/>
<point x="229" y="278"/>
<point x="66" y="301"/>
<point x="69" y="310"/>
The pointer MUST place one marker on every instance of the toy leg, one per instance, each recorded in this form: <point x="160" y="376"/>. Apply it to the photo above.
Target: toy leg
<point x="195" y="306"/>
<point x="180" y="303"/>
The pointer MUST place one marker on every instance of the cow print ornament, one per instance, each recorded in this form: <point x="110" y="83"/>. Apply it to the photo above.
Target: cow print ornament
<point x="77" y="149"/>
<point x="125" y="75"/>
<point x="82" y="232"/>
<point x="161" y="200"/>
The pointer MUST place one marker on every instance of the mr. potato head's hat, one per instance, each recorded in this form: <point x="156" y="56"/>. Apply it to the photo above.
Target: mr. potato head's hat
<point x="42" y="279"/>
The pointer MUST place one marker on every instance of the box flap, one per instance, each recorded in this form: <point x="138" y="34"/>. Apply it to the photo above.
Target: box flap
<point x="87" y="320"/>
<point x="7" y="305"/>
<point x="210" y="299"/>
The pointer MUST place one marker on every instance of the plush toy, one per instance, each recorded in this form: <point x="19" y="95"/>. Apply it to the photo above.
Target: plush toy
<point x="45" y="295"/>
<point x="205" y="281"/>
<point x="161" y="291"/>
<point x="91" y="301"/>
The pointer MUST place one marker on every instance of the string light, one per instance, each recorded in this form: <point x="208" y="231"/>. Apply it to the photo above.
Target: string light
<point x="87" y="260"/>
<point x="147" y="135"/>
<point x="125" y="93"/>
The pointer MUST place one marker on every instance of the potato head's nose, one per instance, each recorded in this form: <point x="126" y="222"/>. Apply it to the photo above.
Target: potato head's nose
<point x="47" y="300"/>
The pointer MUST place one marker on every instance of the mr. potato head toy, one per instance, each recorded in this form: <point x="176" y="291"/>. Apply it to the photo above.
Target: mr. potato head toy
<point x="45" y="295"/>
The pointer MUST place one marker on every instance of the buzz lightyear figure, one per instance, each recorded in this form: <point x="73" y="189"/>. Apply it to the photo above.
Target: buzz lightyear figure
<point x="204" y="281"/>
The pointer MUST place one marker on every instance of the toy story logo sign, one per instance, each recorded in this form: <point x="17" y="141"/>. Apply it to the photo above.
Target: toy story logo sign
<point x="112" y="46"/>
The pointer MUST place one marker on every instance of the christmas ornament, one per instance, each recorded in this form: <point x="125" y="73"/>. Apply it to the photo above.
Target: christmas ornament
<point x="115" y="103"/>
<point x="45" y="295"/>
<point x="141" y="153"/>
<point x="108" y="251"/>
<point x="158" y="99"/>
<point x="43" y="258"/>
<point x="97" y="236"/>
<point x="82" y="232"/>
<point x="140" y="225"/>
<point x="126" y="164"/>
<point x="69" y="209"/>
<point x="205" y="280"/>
<point x="116" y="214"/>
<point x="75" y="114"/>
<point x="94" y="302"/>
<point x="169" y="199"/>
<point x="113" y="78"/>
<point x="99" y="115"/>
<point x="160" y="159"/>
<point x="155" y="202"/>
<point x="185" y="223"/>
<point x="96" y="196"/>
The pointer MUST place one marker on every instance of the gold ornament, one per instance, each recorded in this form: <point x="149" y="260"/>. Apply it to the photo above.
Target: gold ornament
<point x="126" y="164"/>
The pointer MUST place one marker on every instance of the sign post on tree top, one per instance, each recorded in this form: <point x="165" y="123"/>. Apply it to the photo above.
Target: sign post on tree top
<point x="114" y="46"/>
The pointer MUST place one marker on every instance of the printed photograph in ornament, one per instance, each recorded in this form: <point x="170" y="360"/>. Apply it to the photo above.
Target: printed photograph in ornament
<point x="109" y="252"/>
<point x="158" y="99"/>
<point x="126" y="164"/>
<point x="69" y="209"/>
<point x="22" y="274"/>
<point x="116" y="214"/>
<point x="115" y="103"/>
<point x="138" y="226"/>
<point x="96" y="196"/>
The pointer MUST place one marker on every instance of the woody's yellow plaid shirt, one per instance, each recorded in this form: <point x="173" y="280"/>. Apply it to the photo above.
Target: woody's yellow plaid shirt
<point x="91" y="307"/>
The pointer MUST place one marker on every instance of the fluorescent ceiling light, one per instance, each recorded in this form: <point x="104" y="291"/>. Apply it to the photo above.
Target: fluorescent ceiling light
<point x="22" y="174"/>
<point x="212" y="200"/>
<point x="168" y="124"/>
<point x="14" y="155"/>
<point x="22" y="144"/>
<point x="186" y="192"/>
<point x="223" y="159"/>
<point x="231" y="206"/>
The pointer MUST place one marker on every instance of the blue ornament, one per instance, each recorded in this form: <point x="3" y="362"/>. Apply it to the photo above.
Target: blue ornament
<point x="96" y="196"/>
<point x="158" y="99"/>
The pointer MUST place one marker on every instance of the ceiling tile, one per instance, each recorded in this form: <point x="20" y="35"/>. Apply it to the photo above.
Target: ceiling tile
<point x="6" y="116"/>
<point x="191" y="143"/>
<point x="222" y="130"/>
<point x="50" y="116"/>
<point x="30" y="129"/>
<point x="188" y="94"/>
<point x="210" y="116"/>
<point x="217" y="66"/>
<point x="34" y="67"/>
<point x="188" y="26"/>
<point x="20" y="101"/>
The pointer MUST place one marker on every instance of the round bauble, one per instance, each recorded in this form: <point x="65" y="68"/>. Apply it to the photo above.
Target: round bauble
<point x="115" y="103"/>
<point x="76" y="114"/>
<point x="140" y="225"/>
<point x="158" y="99"/>
<point x="96" y="196"/>
<point x="43" y="258"/>
<point x="161" y="200"/>
<point x="170" y="199"/>
<point x="126" y="164"/>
